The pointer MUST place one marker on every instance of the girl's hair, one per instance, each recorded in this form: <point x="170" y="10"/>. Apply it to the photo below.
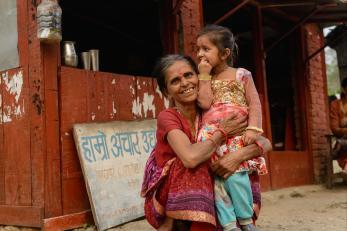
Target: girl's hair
<point x="164" y="63"/>
<point x="222" y="38"/>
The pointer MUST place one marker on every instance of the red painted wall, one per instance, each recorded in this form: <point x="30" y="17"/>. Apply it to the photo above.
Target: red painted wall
<point x="87" y="96"/>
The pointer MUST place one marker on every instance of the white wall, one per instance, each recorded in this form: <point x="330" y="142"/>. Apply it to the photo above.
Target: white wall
<point x="8" y="35"/>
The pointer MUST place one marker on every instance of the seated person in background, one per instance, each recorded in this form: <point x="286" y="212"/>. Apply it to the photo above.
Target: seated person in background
<point x="338" y="125"/>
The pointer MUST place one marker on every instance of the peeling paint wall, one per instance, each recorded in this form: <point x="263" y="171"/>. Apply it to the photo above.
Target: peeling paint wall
<point x="14" y="107"/>
<point x="9" y="57"/>
<point x="99" y="97"/>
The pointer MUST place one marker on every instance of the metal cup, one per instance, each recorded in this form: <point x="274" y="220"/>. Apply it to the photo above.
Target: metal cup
<point x="71" y="61"/>
<point x="69" y="48"/>
<point x="69" y="54"/>
<point x="85" y="56"/>
<point x="94" y="56"/>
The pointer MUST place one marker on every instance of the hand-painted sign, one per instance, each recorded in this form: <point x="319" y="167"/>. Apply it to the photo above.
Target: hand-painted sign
<point x="112" y="157"/>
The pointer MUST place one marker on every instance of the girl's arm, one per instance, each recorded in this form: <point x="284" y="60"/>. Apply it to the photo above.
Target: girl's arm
<point x="228" y="164"/>
<point x="205" y="95"/>
<point x="253" y="102"/>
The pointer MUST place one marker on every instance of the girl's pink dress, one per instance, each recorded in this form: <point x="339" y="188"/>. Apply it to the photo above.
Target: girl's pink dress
<point x="240" y="96"/>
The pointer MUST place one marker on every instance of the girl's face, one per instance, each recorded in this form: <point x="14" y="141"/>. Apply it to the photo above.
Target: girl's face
<point x="181" y="83"/>
<point x="208" y="51"/>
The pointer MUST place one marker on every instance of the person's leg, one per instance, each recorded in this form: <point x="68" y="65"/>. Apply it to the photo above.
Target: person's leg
<point x="256" y="193"/>
<point x="239" y="188"/>
<point x="224" y="206"/>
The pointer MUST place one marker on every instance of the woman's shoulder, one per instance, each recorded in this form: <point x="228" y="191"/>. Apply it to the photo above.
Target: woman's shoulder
<point x="168" y="111"/>
<point x="169" y="114"/>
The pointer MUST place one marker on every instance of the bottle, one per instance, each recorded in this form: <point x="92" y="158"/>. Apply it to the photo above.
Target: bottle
<point x="49" y="21"/>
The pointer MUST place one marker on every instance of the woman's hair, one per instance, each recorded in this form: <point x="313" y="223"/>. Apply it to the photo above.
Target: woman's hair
<point x="222" y="38"/>
<point x="164" y="63"/>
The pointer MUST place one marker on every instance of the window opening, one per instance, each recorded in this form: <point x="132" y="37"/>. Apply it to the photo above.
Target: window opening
<point x="127" y="33"/>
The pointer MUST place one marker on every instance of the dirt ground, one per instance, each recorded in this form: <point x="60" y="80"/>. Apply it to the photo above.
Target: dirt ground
<point x="306" y="208"/>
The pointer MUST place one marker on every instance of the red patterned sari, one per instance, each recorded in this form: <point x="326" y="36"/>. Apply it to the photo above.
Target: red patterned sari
<point x="169" y="188"/>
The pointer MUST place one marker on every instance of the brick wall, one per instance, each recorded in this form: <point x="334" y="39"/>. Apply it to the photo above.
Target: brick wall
<point x="318" y="107"/>
<point x="192" y="23"/>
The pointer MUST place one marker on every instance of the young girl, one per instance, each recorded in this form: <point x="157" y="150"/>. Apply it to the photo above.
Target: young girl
<point x="222" y="90"/>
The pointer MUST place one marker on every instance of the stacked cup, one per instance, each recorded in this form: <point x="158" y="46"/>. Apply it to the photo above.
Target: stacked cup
<point x="90" y="59"/>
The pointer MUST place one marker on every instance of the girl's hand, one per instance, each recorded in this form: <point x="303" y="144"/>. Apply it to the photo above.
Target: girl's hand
<point x="227" y="165"/>
<point x="250" y="136"/>
<point x="204" y="67"/>
<point x="234" y="125"/>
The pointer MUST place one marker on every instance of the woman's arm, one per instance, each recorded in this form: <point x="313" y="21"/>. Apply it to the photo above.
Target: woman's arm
<point x="228" y="164"/>
<point x="193" y="154"/>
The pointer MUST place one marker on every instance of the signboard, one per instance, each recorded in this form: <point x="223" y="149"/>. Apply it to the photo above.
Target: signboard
<point x="113" y="156"/>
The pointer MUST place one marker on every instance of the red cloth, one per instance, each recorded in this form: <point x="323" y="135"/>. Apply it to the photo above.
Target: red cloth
<point x="178" y="192"/>
<point x="201" y="226"/>
<point x="338" y="117"/>
<point x="168" y="120"/>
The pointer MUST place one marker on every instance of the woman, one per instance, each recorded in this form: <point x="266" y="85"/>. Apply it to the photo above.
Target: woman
<point x="178" y="184"/>
<point x="338" y="125"/>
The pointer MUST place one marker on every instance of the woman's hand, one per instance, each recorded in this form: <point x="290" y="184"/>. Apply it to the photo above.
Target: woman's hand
<point x="264" y="144"/>
<point x="234" y="125"/>
<point x="227" y="165"/>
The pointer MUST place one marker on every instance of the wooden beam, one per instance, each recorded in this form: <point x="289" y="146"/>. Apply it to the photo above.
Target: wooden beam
<point x="287" y="4"/>
<point x="302" y="21"/>
<point x="231" y="12"/>
<point x="331" y="19"/>
<point x="281" y="14"/>
<point x="177" y="7"/>
<point x="69" y="221"/>
<point x="21" y="215"/>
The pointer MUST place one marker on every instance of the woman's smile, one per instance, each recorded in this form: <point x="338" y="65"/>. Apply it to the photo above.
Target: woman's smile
<point x="188" y="90"/>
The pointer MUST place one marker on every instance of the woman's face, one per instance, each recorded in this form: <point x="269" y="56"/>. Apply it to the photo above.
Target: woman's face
<point x="181" y="83"/>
